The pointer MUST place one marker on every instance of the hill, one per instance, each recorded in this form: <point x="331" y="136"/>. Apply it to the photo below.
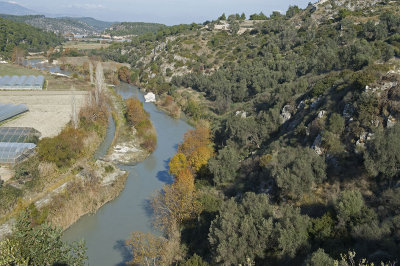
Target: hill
<point x="96" y="24"/>
<point x="63" y="25"/>
<point x="133" y="28"/>
<point x="303" y="110"/>
<point x="15" y="9"/>
<point x="27" y="38"/>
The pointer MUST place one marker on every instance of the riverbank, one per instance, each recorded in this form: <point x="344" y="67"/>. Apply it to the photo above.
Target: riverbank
<point x="65" y="195"/>
<point x="126" y="146"/>
<point x="106" y="231"/>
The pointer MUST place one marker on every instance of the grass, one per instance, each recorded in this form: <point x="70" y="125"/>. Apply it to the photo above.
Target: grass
<point x="54" y="83"/>
<point x="11" y="69"/>
<point x="85" y="45"/>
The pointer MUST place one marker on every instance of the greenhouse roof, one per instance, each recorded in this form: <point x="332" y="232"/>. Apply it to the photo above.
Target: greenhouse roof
<point x="11" y="152"/>
<point x="21" y="82"/>
<point x="10" y="110"/>
<point x="16" y="143"/>
<point x="18" y="134"/>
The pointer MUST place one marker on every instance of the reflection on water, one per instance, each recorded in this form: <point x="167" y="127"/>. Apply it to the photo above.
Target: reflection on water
<point x="106" y="231"/>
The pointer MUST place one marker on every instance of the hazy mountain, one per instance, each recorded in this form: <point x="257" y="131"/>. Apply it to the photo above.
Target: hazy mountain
<point x="96" y="24"/>
<point x="63" y="25"/>
<point x="15" y="9"/>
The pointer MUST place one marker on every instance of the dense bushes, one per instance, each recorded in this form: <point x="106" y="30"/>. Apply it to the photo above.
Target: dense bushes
<point x="39" y="245"/>
<point x="9" y="197"/>
<point x="62" y="149"/>
<point x="140" y="119"/>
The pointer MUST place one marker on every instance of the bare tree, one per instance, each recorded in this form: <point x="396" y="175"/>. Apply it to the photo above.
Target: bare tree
<point x="91" y="72"/>
<point x="74" y="115"/>
<point x="100" y="82"/>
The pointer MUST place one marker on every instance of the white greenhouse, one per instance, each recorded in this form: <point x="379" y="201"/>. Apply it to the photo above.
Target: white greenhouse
<point x="21" y="82"/>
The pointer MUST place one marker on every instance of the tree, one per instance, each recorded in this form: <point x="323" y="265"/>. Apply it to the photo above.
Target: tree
<point x="199" y="157"/>
<point x="382" y="156"/>
<point x="292" y="232"/>
<point x="40" y="245"/>
<point x="100" y="83"/>
<point x="135" y="112"/>
<point x="173" y="205"/>
<point x="336" y="123"/>
<point x="297" y="170"/>
<point x="177" y="163"/>
<point x="222" y="17"/>
<point x="319" y="257"/>
<point x="91" y="73"/>
<point x="225" y="165"/>
<point x="147" y="249"/>
<point x="124" y="74"/>
<point x="185" y="180"/>
<point x="349" y="205"/>
<point x="243" y="16"/>
<point x="242" y="230"/>
<point x="18" y="55"/>
<point x="193" y="139"/>
<point x="195" y="260"/>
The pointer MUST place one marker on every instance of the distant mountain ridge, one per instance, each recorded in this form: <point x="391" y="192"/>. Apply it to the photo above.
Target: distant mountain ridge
<point x="15" y="9"/>
<point x="62" y="25"/>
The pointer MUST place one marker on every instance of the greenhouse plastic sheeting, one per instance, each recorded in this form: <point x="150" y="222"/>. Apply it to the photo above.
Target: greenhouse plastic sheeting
<point x="13" y="152"/>
<point x="10" y="110"/>
<point x="19" y="134"/>
<point x="21" y="82"/>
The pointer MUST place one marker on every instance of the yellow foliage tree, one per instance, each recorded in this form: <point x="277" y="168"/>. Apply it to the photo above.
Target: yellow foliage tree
<point x="177" y="163"/>
<point x="199" y="157"/>
<point x="173" y="205"/>
<point x="185" y="180"/>
<point x="201" y="136"/>
<point x="147" y="249"/>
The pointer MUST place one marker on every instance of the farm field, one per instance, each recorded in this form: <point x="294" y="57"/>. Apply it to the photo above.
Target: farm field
<point x="49" y="111"/>
<point x="79" y="45"/>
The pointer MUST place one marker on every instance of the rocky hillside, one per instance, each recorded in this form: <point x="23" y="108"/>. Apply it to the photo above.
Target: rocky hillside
<point x="304" y="109"/>
<point x="133" y="28"/>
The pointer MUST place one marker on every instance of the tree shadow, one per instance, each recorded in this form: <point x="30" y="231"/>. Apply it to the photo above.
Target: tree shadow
<point x="164" y="176"/>
<point x="125" y="252"/>
<point x="146" y="205"/>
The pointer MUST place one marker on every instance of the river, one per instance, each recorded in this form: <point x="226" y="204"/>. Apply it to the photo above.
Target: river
<point x="106" y="231"/>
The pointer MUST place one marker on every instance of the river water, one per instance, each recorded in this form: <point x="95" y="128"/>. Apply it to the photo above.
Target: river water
<point x="106" y="231"/>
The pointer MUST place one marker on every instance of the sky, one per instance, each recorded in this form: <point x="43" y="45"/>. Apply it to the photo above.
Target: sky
<point x="168" y="12"/>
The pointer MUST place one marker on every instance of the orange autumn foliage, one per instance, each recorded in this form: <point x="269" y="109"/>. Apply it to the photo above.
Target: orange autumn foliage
<point x="135" y="112"/>
<point x="185" y="180"/>
<point x="201" y="136"/>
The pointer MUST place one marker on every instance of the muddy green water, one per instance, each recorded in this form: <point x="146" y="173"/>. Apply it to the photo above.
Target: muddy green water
<point x="106" y="231"/>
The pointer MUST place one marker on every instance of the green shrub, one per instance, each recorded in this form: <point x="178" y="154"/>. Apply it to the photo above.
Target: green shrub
<point x="9" y="197"/>
<point x="62" y="149"/>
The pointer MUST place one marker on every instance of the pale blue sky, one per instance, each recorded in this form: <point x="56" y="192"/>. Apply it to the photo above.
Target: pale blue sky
<point x="163" y="11"/>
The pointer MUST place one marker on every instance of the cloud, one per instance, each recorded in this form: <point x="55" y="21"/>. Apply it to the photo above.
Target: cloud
<point x="13" y="2"/>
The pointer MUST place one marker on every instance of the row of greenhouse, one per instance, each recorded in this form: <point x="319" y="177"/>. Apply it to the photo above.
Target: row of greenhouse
<point x="21" y="82"/>
<point x="17" y="143"/>
<point x="8" y="111"/>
